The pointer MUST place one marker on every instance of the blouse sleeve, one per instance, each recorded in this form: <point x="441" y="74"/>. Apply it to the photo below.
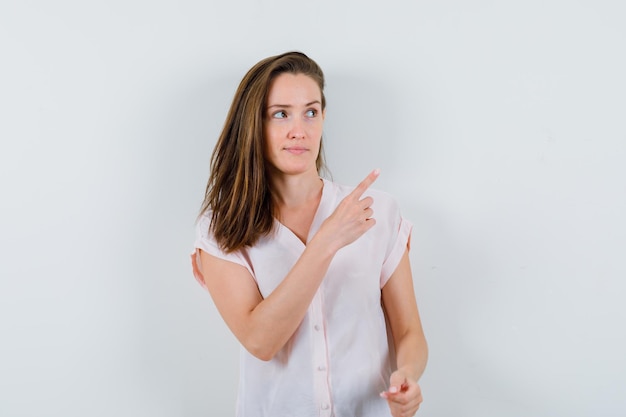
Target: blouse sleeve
<point x="206" y="241"/>
<point x="400" y="240"/>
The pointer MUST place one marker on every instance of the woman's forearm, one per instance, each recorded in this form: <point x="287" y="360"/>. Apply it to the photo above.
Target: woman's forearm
<point x="275" y="319"/>
<point x="412" y="354"/>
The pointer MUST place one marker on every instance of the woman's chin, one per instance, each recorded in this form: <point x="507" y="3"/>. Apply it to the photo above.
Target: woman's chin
<point x="294" y="170"/>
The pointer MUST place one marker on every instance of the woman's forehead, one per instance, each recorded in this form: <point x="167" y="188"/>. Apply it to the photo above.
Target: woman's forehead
<point x="288" y="88"/>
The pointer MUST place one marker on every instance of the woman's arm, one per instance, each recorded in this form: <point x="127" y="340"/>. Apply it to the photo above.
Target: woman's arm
<point x="263" y="326"/>
<point x="404" y="395"/>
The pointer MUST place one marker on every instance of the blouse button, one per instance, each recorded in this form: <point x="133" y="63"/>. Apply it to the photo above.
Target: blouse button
<point x="325" y="407"/>
<point x="317" y="327"/>
<point x="321" y="368"/>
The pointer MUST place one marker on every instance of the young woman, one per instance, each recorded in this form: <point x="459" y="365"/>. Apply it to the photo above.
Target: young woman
<point x="313" y="278"/>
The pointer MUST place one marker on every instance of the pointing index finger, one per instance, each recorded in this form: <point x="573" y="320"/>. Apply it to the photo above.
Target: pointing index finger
<point x="365" y="184"/>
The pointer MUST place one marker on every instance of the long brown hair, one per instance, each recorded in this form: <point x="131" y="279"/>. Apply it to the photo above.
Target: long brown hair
<point x="237" y="192"/>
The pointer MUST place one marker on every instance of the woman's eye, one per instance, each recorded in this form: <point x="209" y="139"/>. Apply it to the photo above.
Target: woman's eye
<point x="279" y="115"/>
<point x="311" y="113"/>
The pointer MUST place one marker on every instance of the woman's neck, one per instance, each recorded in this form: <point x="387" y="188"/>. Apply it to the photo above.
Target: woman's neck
<point x="293" y="191"/>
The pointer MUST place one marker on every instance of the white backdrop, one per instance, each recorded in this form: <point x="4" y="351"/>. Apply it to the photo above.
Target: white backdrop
<point x="499" y="126"/>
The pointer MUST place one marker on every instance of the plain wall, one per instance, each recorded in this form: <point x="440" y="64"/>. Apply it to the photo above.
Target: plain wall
<point x="499" y="127"/>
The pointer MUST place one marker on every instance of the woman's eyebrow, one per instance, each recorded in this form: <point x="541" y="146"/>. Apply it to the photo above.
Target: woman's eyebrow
<point x="289" y="105"/>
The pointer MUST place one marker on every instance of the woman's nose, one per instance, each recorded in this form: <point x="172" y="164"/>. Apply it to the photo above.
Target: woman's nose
<point x="297" y="130"/>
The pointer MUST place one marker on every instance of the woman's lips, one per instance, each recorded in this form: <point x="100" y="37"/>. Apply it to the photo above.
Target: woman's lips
<point x="296" y="150"/>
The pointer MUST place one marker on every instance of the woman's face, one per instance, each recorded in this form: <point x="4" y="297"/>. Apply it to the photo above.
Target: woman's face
<point x="293" y="124"/>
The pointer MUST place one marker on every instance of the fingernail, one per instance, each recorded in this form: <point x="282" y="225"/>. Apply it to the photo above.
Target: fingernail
<point x="377" y="171"/>
<point x="393" y="390"/>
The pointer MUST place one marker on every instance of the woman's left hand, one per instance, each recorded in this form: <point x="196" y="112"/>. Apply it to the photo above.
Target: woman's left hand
<point x="404" y="395"/>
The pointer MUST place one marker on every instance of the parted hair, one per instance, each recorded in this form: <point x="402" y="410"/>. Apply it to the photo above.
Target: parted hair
<point x="238" y="195"/>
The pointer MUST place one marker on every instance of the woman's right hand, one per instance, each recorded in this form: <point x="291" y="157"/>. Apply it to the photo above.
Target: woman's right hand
<point x="352" y="217"/>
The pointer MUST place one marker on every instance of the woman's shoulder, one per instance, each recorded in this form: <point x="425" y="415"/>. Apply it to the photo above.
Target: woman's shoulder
<point x="203" y="225"/>
<point x="205" y="240"/>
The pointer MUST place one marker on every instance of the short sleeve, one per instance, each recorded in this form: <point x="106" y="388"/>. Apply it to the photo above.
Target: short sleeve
<point x="400" y="240"/>
<point x="206" y="241"/>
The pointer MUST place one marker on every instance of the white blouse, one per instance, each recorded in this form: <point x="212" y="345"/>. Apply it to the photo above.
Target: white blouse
<point x="339" y="359"/>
